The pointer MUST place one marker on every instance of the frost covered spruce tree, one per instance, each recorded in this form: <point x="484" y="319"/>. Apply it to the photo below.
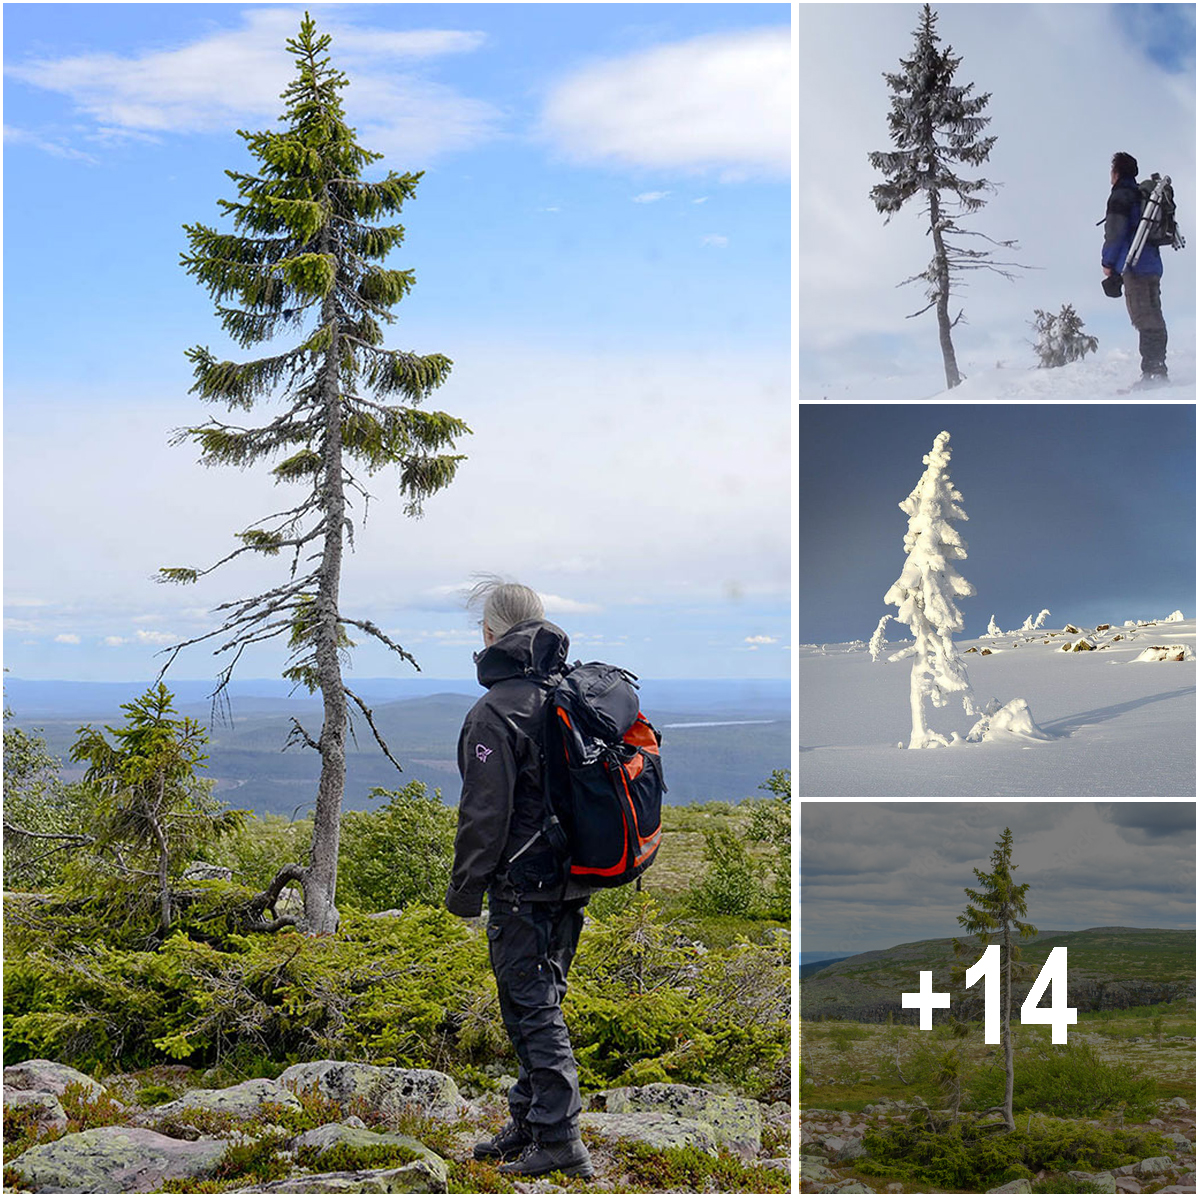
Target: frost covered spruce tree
<point x="1060" y="337"/>
<point x="925" y="596"/>
<point x="926" y="592"/>
<point x="934" y="126"/>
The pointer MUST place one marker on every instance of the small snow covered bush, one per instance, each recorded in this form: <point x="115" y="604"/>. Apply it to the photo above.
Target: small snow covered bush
<point x="1060" y="337"/>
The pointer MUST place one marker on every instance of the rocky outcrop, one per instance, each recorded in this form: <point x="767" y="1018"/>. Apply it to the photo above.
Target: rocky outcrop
<point x="115" y="1158"/>
<point x="387" y="1089"/>
<point x="188" y="1138"/>
<point x="734" y="1122"/>
<point x="42" y="1075"/>
<point x="241" y="1100"/>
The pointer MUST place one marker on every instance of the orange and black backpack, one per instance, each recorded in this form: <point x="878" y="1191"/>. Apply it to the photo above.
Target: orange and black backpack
<point x="603" y="779"/>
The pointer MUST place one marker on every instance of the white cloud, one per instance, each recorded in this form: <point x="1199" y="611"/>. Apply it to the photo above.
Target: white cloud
<point x="761" y="639"/>
<point x="561" y="604"/>
<point x="714" y="102"/>
<point x="113" y="640"/>
<point x="153" y="637"/>
<point x="68" y="639"/>
<point x="715" y="239"/>
<point x="26" y="137"/>
<point x="235" y="76"/>
<point x="650" y="197"/>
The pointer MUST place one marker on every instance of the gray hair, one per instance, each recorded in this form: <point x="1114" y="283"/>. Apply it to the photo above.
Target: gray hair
<point x="504" y="604"/>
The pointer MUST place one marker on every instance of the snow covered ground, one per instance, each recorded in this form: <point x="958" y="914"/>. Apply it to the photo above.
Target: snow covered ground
<point x="1098" y="376"/>
<point x="1117" y="727"/>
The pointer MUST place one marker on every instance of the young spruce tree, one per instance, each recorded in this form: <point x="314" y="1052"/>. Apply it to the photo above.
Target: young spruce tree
<point x="306" y="255"/>
<point x="934" y="126"/>
<point x="998" y="907"/>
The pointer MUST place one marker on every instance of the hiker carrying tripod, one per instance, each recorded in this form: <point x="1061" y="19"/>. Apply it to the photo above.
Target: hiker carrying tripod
<point x="1142" y="278"/>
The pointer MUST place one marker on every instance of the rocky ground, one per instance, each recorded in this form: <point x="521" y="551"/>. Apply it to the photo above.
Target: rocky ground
<point x="417" y="1136"/>
<point x="831" y="1141"/>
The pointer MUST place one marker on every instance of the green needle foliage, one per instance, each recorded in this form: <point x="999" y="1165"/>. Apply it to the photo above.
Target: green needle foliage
<point x="997" y="908"/>
<point x="151" y="812"/>
<point x="305" y="260"/>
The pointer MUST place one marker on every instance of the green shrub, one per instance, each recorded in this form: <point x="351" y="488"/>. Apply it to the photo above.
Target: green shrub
<point x="399" y="854"/>
<point x="966" y="1156"/>
<point x="730" y="881"/>
<point x="1065" y="1081"/>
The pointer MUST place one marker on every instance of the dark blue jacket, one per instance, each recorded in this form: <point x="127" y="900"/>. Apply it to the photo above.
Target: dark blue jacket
<point x="1120" y="222"/>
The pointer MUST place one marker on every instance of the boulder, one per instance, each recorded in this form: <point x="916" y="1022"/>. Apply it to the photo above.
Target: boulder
<point x="1014" y="1185"/>
<point x="1152" y="1166"/>
<point x="1182" y="1145"/>
<point x="1075" y="647"/>
<point x="852" y="1187"/>
<point x="814" y="1170"/>
<point x="40" y="1108"/>
<point x="1174" y="1102"/>
<point x="1165" y="654"/>
<point x="660" y="1131"/>
<point x="735" y="1122"/>
<point x="42" y="1075"/>
<point x="388" y="1089"/>
<point x="983" y="652"/>
<point x="427" y="1167"/>
<point x="242" y="1100"/>
<point x="409" y="1180"/>
<point x="1070" y="629"/>
<point x="115" y="1159"/>
<point x="1128" y="1185"/>
<point x="1103" y="1181"/>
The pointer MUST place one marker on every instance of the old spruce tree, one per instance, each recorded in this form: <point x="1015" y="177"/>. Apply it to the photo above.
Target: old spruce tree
<point x="934" y="126"/>
<point x="304" y="261"/>
<point x="996" y="909"/>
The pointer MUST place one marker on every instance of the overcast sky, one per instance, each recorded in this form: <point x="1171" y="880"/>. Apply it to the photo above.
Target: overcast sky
<point x="878" y="875"/>
<point x="602" y="245"/>
<point x="1089" y="512"/>
<point x="1070" y="85"/>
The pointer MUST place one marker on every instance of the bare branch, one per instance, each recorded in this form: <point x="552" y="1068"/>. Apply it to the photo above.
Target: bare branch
<point x="377" y="633"/>
<point x="366" y="712"/>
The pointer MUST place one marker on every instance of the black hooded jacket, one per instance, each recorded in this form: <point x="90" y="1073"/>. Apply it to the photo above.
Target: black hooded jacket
<point x="500" y="758"/>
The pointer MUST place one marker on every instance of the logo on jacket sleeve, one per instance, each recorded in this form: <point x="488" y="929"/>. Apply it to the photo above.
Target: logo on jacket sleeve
<point x="482" y="752"/>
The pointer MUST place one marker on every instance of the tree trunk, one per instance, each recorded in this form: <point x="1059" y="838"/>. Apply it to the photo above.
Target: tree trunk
<point x="164" y="866"/>
<point x="953" y="379"/>
<point x="320" y="878"/>
<point x="1006" y="1032"/>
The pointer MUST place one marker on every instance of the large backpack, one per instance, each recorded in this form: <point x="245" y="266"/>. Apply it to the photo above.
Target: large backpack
<point x="1163" y="230"/>
<point x="603" y="778"/>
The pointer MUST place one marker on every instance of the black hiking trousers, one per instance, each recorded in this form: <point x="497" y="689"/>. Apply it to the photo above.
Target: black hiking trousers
<point x="531" y="945"/>
<point x="1143" y="301"/>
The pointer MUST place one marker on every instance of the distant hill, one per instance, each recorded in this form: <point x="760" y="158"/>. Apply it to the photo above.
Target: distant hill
<point x="1107" y="967"/>
<point x="807" y="969"/>
<point x="721" y="738"/>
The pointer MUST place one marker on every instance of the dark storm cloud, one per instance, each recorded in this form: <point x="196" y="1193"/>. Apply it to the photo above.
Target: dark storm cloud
<point x="877" y="875"/>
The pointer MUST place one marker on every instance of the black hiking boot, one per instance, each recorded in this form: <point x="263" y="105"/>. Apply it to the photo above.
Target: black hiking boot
<point x="569" y="1157"/>
<point x="509" y="1143"/>
<point x="1150" y="380"/>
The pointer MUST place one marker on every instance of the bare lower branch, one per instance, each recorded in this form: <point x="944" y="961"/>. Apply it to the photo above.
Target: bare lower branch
<point x="299" y="734"/>
<point x="377" y="633"/>
<point x="366" y="712"/>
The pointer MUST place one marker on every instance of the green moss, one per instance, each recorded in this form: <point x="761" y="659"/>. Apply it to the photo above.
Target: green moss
<point x="355" y="1158"/>
<point x="690" y="1170"/>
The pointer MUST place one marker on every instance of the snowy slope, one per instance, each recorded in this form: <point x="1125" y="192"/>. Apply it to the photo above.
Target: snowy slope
<point x="1098" y="377"/>
<point x="1118" y="727"/>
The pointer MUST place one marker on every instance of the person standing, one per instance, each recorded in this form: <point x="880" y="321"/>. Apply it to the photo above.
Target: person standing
<point x="1141" y="281"/>
<point x="534" y="916"/>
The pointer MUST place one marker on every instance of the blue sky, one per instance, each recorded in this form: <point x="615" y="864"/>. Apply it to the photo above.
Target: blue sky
<point x="601" y="242"/>
<point x="1089" y="511"/>
<point x="1070" y="84"/>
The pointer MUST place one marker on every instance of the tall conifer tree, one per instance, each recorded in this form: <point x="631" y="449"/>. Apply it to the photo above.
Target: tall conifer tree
<point x="935" y="125"/>
<point x="998" y="907"/>
<point x="306" y="255"/>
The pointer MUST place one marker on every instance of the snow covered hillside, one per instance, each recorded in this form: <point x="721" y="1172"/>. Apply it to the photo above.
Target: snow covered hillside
<point x="1116" y="726"/>
<point x="1097" y="377"/>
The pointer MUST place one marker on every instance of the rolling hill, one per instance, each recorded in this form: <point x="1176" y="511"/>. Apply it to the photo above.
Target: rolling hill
<point x="1107" y="967"/>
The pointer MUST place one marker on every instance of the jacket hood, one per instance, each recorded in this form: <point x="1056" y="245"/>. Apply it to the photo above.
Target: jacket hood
<point x="530" y="648"/>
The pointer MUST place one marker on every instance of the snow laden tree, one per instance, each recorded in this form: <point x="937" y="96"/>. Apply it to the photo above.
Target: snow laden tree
<point x="996" y="908"/>
<point x="305" y="259"/>
<point x="926" y="593"/>
<point x="1060" y="337"/>
<point x="936" y="125"/>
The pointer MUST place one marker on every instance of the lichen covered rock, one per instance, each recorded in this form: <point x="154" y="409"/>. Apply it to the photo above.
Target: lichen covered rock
<point x="660" y="1131"/>
<point x="736" y="1123"/>
<point x="389" y="1089"/>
